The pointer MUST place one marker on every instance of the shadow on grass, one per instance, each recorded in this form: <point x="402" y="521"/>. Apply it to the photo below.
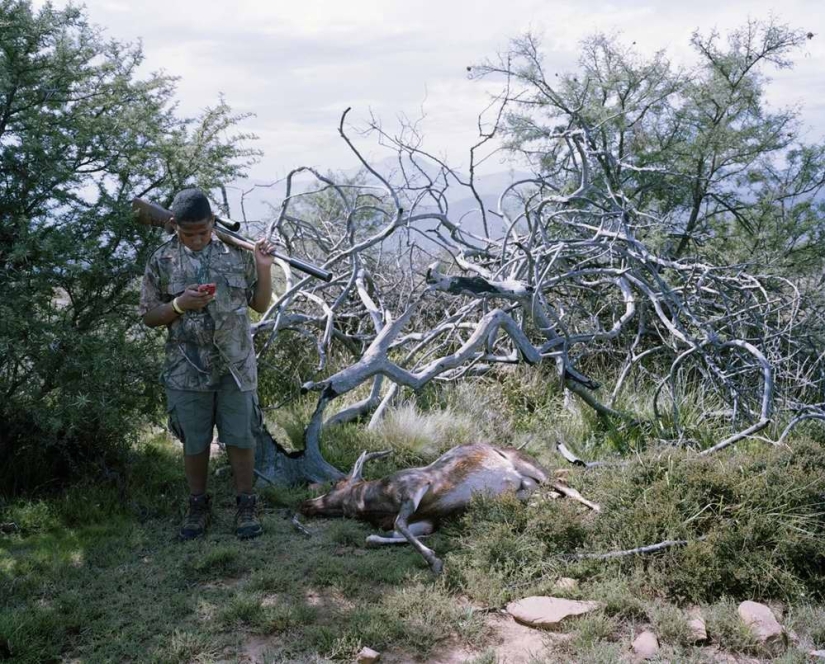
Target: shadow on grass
<point x="92" y="577"/>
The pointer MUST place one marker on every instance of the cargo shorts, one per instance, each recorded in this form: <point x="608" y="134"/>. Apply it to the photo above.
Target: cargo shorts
<point x="193" y="415"/>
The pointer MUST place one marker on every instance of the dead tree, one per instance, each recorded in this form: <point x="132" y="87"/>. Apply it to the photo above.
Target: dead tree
<point x="560" y="269"/>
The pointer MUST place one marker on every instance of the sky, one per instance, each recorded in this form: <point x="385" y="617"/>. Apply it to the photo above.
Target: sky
<point x="297" y="65"/>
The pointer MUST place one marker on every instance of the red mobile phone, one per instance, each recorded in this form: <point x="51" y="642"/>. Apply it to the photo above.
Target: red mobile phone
<point x="207" y="288"/>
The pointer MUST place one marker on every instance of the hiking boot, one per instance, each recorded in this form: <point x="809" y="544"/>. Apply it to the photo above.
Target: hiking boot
<point x="247" y="524"/>
<point x="197" y="517"/>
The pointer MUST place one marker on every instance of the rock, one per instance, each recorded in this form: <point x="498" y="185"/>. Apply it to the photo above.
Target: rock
<point x="367" y="656"/>
<point x="762" y="623"/>
<point x="697" y="626"/>
<point x="646" y="645"/>
<point x="566" y="584"/>
<point x="547" y="612"/>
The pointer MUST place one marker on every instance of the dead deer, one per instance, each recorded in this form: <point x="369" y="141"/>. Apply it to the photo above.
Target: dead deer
<point x="414" y="500"/>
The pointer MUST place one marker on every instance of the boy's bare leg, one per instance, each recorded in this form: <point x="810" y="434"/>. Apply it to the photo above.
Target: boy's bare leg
<point x="243" y="467"/>
<point x="196" y="468"/>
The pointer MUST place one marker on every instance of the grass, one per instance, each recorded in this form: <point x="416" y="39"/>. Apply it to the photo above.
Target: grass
<point x="85" y="567"/>
<point x="94" y="574"/>
<point x="754" y="521"/>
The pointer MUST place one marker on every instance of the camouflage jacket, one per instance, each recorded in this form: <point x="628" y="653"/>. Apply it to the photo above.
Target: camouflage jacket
<point x="202" y="346"/>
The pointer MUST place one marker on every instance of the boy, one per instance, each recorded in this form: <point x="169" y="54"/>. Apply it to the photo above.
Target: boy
<point x="199" y="287"/>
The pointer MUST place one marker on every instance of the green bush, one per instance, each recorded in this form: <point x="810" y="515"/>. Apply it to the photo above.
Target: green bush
<point x="103" y="388"/>
<point x="289" y="361"/>
<point x="753" y="519"/>
<point x="78" y="373"/>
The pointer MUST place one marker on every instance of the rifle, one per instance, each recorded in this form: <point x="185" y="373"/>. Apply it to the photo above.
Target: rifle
<point x="152" y="214"/>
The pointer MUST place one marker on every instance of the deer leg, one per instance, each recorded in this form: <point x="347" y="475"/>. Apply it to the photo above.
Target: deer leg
<point x="401" y="526"/>
<point x="524" y="465"/>
<point x="418" y="529"/>
<point x="575" y="495"/>
<point x="528" y="484"/>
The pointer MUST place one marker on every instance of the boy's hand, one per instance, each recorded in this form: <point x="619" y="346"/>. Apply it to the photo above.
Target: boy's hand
<point x="262" y="256"/>
<point x="194" y="299"/>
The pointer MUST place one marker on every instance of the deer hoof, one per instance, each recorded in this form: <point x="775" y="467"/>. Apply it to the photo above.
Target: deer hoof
<point x="437" y="566"/>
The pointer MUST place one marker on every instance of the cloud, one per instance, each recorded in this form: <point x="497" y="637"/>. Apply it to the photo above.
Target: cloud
<point x="297" y="65"/>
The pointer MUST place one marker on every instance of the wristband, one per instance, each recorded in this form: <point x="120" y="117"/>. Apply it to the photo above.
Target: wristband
<point x="177" y="309"/>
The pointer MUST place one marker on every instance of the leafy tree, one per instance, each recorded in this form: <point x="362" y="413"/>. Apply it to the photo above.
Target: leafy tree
<point x="696" y="148"/>
<point x="80" y="135"/>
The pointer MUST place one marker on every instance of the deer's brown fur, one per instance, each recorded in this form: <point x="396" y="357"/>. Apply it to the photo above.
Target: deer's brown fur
<point x="414" y="500"/>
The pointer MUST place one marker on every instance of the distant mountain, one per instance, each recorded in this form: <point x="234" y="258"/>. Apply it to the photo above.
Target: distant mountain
<point x="463" y="207"/>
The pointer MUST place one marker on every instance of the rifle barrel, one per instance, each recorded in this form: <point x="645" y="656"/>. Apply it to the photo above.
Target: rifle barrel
<point x="153" y="214"/>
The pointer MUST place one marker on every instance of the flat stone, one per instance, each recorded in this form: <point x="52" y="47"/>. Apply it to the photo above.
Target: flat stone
<point x="547" y="612"/>
<point x="367" y="656"/>
<point x="697" y="626"/>
<point x="762" y="623"/>
<point x="646" y="645"/>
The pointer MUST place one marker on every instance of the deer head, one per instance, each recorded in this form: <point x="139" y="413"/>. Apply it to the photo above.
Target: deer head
<point x="336" y="501"/>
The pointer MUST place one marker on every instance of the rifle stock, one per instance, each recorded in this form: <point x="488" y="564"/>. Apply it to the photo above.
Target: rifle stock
<point x="152" y="214"/>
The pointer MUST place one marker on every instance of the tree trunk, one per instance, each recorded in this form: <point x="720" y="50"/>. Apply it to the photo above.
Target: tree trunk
<point x="276" y="465"/>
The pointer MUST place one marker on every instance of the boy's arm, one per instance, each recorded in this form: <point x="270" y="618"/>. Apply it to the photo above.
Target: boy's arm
<point x="152" y="308"/>
<point x="155" y="311"/>
<point x="165" y="313"/>
<point x="262" y="295"/>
